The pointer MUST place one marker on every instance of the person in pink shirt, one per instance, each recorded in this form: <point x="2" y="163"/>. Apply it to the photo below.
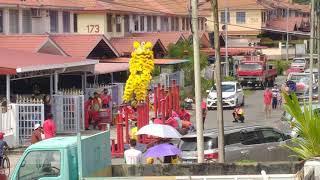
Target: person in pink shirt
<point x="49" y="127"/>
<point x="267" y="98"/>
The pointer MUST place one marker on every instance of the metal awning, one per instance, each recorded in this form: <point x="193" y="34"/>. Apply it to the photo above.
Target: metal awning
<point x="104" y="68"/>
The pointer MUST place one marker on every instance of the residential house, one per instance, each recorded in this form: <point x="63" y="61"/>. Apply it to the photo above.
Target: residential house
<point x="37" y="17"/>
<point x="251" y="17"/>
<point x="121" y="17"/>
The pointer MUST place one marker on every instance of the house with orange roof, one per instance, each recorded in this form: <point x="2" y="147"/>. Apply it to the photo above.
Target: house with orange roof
<point x="37" y="17"/>
<point x="119" y="18"/>
<point x="250" y="18"/>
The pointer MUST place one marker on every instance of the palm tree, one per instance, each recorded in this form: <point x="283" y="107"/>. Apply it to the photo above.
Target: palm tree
<point x="307" y="123"/>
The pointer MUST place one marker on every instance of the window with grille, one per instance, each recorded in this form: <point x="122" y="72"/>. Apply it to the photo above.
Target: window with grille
<point x="75" y="23"/>
<point x="177" y="24"/>
<point x="118" y="23"/>
<point x="54" y="25"/>
<point x="155" y="23"/>
<point x="1" y="21"/>
<point x="26" y="21"/>
<point x="13" y="21"/>
<point x="223" y="18"/>
<point x="241" y="17"/>
<point x="136" y="23"/>
<point x="188" y="24"/>
<point x="183" y="24"/>
<point x="66" y="21"/>
<point x="149" y="24"/>
<point x="109" y="22"/>
<point x="164" y="24"/>
<point x="141" y="23"/>
<point x="126" y="23"/>
<point x="172" y="23"/>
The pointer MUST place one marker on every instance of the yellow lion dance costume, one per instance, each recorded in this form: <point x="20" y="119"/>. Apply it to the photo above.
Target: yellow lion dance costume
<point x="141" y="68"/>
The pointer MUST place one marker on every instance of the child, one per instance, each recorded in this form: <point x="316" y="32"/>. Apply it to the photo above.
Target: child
<point x="3" y="144"/>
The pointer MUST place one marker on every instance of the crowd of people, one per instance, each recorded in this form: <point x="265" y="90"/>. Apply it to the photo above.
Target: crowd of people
<point x="94" y="106"/>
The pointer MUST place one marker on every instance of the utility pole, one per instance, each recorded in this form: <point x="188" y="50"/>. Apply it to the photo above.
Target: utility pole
<point x="196" y="54"/>
<point x="226" y="18"/>
<point x="287" y="42"/>
<point x="311" y="50"/>
<point x="214" y="6"/>
<point x="318" y="46"/>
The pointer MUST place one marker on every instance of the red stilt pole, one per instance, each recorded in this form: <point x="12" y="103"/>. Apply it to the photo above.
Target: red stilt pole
<point x="127" y="125"/>
<point x="155" y="103"/>
<point x="113" y="150"/>
<point x="170" y="101"/>
<point x="159" y="98"/>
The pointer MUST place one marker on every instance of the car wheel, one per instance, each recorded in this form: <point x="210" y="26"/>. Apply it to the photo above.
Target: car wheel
<point x="242" y="104"/>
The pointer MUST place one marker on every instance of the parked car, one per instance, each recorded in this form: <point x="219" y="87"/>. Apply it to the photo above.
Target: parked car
<point x="300" y="63"/>
<point x="305" y="95"/>
<point x="232" y="95"/>
<point x="301" y="80"/>
<point x="256" y="143"/>
<point x="286" y="121"/>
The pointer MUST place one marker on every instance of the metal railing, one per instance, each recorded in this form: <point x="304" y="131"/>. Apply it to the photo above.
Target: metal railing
<point x="241" y="177"/>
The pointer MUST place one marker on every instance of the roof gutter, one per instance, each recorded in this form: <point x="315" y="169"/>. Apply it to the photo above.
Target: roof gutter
<point x="56" y="66"/>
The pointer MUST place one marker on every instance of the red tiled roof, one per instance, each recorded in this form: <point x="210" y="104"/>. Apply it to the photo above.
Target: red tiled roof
<point x="204" y="37"/>
<point x="30" y="43"/>
<point x="11" y="60"/>
<point x="124" y="45"/>
<point x="281" y="24"/>
<point x="165" y="37"/>
<point x="156" y="61"/>
<point x="96" y="5"/>
<point x="78" y="45"/>
<point x="234" y="4"/>
<point x="44" y="3"/>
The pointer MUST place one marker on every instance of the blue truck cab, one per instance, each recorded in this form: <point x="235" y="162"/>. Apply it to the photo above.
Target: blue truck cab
<point x="66" y="158"/>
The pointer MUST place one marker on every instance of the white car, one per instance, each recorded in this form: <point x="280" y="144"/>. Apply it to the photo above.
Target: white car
<point x="300" y="63"/>
<point x="232" y="95"/>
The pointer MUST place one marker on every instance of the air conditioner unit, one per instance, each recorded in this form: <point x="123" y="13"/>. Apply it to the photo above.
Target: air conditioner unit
<point x="36" y="13"/>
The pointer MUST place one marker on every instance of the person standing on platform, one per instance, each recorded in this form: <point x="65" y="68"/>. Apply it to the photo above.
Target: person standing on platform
<point x="49" y="127"/>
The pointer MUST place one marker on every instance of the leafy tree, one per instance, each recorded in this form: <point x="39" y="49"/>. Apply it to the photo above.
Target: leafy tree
<point x="184" y="50"/>
<point x="307" y="123"/>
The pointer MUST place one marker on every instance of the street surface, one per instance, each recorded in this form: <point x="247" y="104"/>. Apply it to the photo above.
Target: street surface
<point x="254" y="115"/>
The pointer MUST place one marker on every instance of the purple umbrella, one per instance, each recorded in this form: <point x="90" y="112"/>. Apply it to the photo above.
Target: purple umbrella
<point x="162" y="150"/>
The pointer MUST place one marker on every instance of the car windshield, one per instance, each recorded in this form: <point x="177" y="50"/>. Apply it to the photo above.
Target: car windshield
<point x="190" y="144"/>
<point x="299" y="61"/>
<point x="298" y="77"/>
<point x="304" y="80"/>
<point x="225" y="88"/>
<point x="250" y="67"/>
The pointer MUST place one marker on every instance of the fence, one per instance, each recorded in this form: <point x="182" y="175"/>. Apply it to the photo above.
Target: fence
<point x="241" y="177"/>
<point x="68" y="112"/>
<point x="166" y="79"/>
<point x="26" y="116"/>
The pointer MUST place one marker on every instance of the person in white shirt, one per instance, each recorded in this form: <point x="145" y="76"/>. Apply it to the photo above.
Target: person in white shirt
<point x="133" y="156"/>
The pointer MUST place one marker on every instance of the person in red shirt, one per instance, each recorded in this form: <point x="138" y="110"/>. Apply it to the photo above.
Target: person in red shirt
<point x="172" y="122"/>
<point x="105" y="98"/>
<point x="184" y="114"/>
<point x="49" y="127"/>
<point x="204" y="111"/>
<point x="267" y="98"/>
<point x="87" y="112"/>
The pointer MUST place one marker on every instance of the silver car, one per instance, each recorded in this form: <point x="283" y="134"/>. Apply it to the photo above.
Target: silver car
<point x="255" y="143"/>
